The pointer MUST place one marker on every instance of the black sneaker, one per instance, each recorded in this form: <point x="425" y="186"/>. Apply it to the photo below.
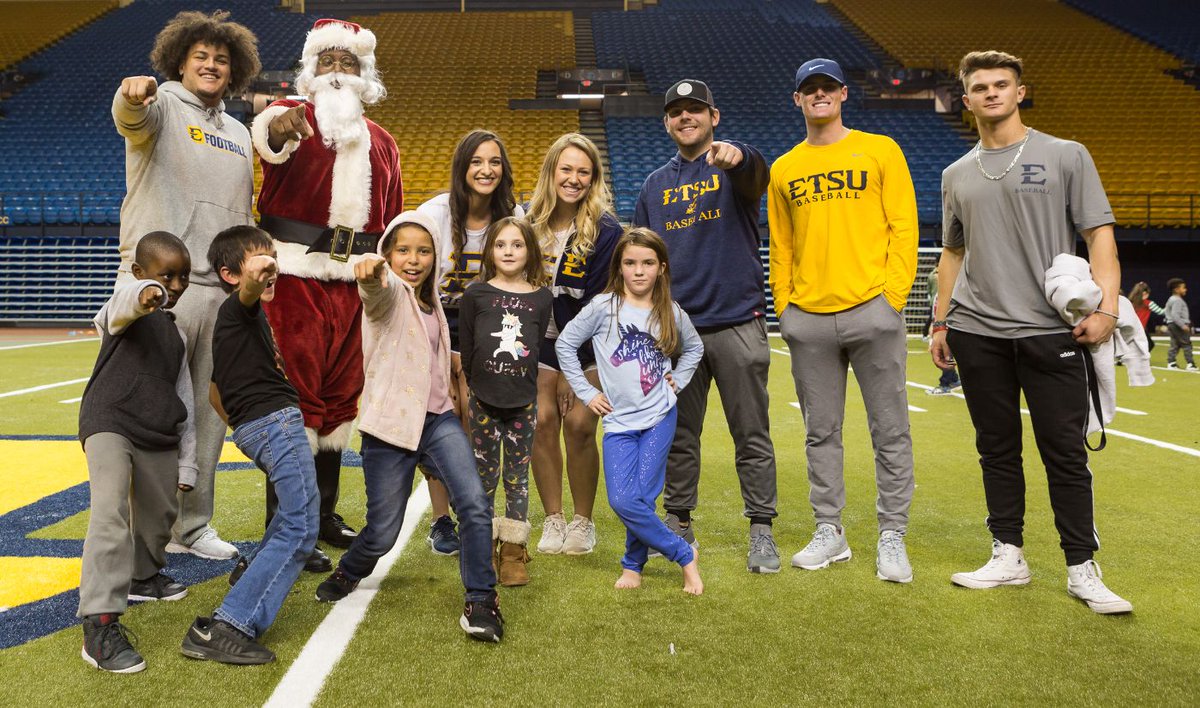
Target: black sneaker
<point x="318" y="562"/>
<point x="106" y="645"/>
<point x="482" y="619"/>
<point x="336" y="533"/>
<point x="157" y="587"/>
<point x="336" y="586"/>
<point x="443" y="538"/>
<point x="239" y="568"/>
<point x="215" y="640"/>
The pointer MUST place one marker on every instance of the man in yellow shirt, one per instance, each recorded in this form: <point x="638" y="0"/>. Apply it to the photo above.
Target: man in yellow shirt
<point x="843" y="219"/>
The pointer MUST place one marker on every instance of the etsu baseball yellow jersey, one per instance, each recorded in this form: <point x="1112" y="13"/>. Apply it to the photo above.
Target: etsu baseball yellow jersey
<point x="843" y="221"/>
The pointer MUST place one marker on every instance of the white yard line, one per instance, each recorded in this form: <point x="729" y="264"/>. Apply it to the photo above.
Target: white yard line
<point x="49" y="344"/>
<point x="1167" y="368"/>
<point x="1130" y="411"/>
<point x="43" y="387"/>
<point x="72" y="400"/>
<point x="303" y="681"/>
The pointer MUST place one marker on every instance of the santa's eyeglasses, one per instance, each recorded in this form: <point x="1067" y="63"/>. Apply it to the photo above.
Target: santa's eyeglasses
<point x="347" y="62"/>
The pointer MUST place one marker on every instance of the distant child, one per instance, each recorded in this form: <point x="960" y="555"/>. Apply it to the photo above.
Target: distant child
<point x="1179" y="324"/>
<point x="136" y="427"/>
<point x="636" y="328"/>
<point x="408" y="418"/>
<point x="251" y="392"/>
<point x="1143" y="306"/>
<point x="502" y="320"/>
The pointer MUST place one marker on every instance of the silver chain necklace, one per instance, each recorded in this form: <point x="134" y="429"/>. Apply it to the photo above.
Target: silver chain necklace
<point x="995" y="178"/>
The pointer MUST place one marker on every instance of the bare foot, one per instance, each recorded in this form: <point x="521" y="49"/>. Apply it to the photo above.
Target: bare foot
<point x="628" y="580"/>
<point x="691" y="578"/>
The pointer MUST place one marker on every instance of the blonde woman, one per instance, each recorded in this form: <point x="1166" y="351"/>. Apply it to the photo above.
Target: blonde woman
<point x="572" y="216"/>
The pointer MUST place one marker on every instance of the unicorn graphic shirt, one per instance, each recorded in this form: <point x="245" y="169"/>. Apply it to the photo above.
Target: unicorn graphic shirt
<point x="500" y="334"/>
<point x="632" y="368"/>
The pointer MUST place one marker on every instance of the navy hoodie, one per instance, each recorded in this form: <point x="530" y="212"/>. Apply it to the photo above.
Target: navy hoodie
<point x="709" y="219"/>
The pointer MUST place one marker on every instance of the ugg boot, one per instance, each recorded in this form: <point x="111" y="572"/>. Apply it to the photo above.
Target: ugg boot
<point x="511" y="553"/>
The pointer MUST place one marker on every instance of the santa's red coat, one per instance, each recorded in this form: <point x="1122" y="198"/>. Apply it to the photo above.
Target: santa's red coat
<point x="316" y="313"/>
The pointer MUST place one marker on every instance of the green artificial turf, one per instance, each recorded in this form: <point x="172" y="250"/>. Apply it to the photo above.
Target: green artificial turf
<point x="832" y="636"/>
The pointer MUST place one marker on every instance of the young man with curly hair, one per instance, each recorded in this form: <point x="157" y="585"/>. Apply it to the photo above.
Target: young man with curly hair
<point x="189" y="171"/>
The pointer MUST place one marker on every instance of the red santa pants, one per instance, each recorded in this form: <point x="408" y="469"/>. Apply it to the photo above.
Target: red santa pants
<point x="318" y="327"/>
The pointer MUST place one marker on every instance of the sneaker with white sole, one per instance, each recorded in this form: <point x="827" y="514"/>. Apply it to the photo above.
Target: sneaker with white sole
<point x="828" y="545"/>
<point x="580" y="537"/>
<point x="1084" y="582"/>
<point x="1191" y="367"/>
<point x="1007" y="567"/>
<point x="554" y="533"/>
<point x="208" y="546"/>
<point x="107" y="645"/>
<point x="1172" y="365"/>
<point x="891" y="563"/>
<point x="156" y="587"/>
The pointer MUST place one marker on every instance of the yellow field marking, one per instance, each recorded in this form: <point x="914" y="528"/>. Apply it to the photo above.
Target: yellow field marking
<point x="24" y="580"/>
<point x="33" y="469"/>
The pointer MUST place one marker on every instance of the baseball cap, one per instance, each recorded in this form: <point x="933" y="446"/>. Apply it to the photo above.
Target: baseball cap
<point x="689" y="88"/>
<point x="819" y="67"/>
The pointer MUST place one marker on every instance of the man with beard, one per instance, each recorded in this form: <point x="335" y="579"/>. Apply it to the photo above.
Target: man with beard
<point x="331" y="181"/>
<point x="189" y="172"/>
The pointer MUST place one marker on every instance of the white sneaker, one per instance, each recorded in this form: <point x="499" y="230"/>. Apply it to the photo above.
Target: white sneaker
<point x="1084" y="582"/>
<point x="828" y="545"/>
<point x="891" y="563"/>
<point x="1007" y="567"/>
<point x="580" y="537"/>
<point x="1191" y="367"/>
<point x="209" y="546"/>
<point x="554" y="532"/>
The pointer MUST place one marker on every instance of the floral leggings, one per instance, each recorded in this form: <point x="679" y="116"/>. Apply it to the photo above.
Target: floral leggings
<point x="492" y="427"/>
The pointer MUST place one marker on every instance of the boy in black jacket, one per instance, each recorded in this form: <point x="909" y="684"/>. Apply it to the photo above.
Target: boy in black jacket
<point x="136" y="427"/>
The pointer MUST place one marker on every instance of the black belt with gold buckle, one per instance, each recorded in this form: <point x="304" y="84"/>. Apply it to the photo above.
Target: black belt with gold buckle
<point x="340" y="242"/>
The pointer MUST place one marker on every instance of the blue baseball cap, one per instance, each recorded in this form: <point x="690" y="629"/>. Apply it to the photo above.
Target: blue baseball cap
<point x="819" y="67"/>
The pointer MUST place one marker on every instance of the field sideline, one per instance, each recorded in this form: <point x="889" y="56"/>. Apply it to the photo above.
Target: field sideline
<point x="832" y="636"/>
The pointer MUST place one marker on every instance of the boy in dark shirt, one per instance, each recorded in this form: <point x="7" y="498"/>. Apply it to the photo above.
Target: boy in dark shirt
<point x="251" y="392"/>
<point x="136" y="428"/>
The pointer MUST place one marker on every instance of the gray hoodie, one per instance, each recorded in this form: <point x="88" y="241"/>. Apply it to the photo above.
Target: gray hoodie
<point x="188" y="170"/>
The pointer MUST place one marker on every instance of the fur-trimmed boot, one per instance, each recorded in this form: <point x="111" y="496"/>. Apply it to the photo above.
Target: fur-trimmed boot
<point x="511" y="554"/>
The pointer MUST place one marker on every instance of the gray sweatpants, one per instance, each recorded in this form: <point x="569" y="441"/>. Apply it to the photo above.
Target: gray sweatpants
<point x="871" y="338"/>
<point x="133" y="505"/>
<point x="1181" y="341"/>
<point x="196" y="314"/>
<point x="737" y="358"/>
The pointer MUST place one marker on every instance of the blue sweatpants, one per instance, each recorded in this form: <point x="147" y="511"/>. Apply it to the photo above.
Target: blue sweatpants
<point x="635" y="469"/>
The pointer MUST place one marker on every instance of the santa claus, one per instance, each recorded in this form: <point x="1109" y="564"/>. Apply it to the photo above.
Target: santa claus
<point x="331" y="182"/>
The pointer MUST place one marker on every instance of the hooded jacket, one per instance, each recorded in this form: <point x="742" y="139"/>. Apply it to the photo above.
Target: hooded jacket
<point x="188" y="171"/>
<point x="397" y="361"/>
<point x="709" y="220"/>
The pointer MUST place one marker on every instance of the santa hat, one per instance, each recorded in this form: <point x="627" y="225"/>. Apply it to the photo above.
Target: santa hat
<point x="339" y="34"/>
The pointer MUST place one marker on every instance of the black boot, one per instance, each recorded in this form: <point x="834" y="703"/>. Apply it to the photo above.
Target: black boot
<point x="334" y="530"/>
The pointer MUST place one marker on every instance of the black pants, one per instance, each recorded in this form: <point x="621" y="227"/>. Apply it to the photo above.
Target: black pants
<point x="1050" y="370"/>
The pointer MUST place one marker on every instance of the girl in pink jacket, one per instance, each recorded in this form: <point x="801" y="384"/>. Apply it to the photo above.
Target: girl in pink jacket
<point x="408" y="419"/>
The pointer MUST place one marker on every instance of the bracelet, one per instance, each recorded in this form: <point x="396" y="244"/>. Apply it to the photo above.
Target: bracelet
<point x="938" y="326"/>
<point x="1098" y="311"/>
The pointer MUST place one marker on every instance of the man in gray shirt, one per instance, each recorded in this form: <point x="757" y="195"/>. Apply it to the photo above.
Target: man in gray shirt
<point x="188" y="171"/>
<point x="1009" y="206"/>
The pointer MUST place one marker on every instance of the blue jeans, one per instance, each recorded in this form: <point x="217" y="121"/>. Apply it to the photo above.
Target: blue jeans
<point x="279" y="446"/>
<point x="446" y="455"/>
<point x="635" y="469"/>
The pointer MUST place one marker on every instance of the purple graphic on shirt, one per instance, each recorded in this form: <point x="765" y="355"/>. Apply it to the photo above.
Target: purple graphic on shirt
<point x="640" y="346"/>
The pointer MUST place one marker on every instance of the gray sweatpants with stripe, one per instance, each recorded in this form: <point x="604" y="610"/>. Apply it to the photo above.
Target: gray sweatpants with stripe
<point x="869" y="337"/>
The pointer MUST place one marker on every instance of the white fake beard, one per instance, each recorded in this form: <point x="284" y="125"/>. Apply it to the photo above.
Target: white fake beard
<point x="338" y="107"/>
